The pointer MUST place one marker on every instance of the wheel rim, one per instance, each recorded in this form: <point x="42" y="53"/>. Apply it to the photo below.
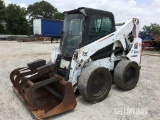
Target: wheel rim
<point x="98" y="85"/>
<point x="130" y="76"/>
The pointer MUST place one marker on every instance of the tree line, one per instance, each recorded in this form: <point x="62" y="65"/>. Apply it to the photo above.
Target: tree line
<point x="17" y="20"/>
<point x="150" y="30"/>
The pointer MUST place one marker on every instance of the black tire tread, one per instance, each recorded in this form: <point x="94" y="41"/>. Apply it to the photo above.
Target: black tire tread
<point x="83" y="81"/>
<point x="119" y="74"/>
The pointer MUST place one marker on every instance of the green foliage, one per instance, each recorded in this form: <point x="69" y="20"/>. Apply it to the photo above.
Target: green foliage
<point x="153" y="28"/>
<point x="13" y="17"/>
<point x="16" y="22"/>
<point x="58" y="16"/>
<point x="41" y="9"/>
<point x="2" y="17"/>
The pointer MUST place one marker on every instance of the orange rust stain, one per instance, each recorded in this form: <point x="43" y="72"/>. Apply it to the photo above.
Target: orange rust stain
<point x="105" y="38"/>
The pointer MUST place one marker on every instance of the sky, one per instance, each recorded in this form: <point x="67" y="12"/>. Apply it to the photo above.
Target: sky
<point x="147" y="11"/>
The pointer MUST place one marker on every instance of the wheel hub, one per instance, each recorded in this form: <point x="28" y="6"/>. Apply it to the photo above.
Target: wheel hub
<point x="130" y="75"/>
<point x="98" y="85"/>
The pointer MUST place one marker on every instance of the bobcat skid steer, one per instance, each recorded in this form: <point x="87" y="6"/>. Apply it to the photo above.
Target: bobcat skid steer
<point x="92" y="54"/>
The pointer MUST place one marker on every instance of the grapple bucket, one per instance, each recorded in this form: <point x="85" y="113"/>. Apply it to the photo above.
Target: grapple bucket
<point x="44" y="94"/>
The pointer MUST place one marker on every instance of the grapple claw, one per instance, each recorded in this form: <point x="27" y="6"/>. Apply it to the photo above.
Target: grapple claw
<point x="43" y="93"/>
<point x="15" y="72"/>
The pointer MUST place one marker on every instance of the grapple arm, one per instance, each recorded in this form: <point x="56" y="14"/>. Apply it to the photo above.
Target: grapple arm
<point x="43" y="91"/>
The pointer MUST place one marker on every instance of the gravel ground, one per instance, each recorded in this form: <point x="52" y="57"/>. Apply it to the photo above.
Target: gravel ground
<point x="146" y="95"/>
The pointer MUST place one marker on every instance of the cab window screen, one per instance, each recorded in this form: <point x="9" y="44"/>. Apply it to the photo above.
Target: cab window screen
<point x="99" y="26"/>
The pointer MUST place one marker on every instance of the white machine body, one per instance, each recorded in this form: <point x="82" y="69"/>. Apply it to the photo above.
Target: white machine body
<point x="119" y="38"/>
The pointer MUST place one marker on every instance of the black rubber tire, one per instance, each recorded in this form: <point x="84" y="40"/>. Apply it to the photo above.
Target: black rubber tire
<point x="95" y="83"/>
<point x="126" y="74"/>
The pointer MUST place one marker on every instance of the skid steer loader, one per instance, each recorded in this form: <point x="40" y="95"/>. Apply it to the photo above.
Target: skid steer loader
<point x="92" y="55"/>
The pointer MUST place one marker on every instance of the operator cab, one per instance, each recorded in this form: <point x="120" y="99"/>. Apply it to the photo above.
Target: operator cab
<point x="83" y="26"/>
